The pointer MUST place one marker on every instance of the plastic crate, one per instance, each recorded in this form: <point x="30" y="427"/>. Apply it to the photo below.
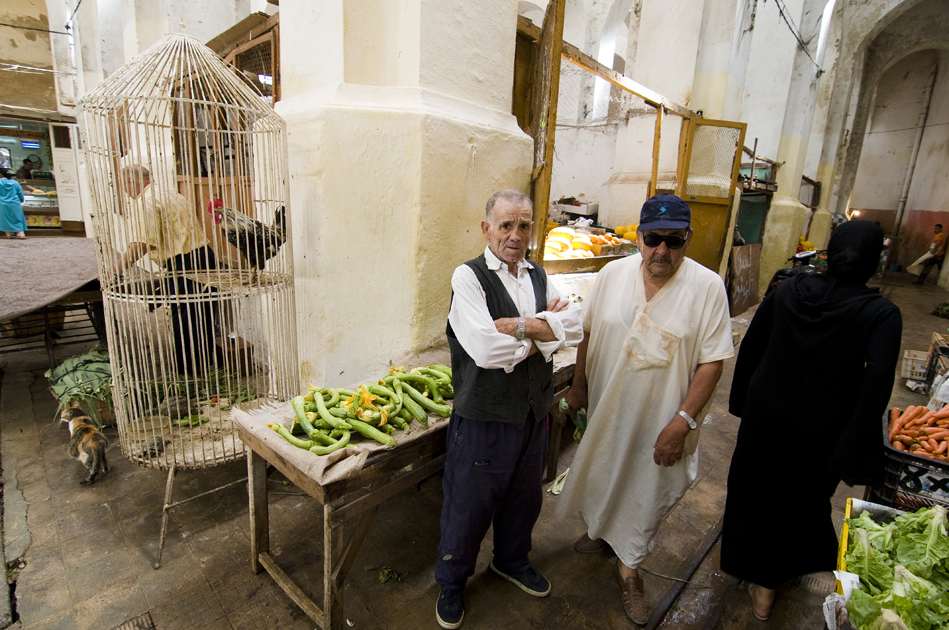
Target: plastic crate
<point x="915" y="365"/>
<point x="911" y="481"/>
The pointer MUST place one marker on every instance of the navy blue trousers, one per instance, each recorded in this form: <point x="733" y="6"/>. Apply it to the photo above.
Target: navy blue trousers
<point x="493" y="472"/>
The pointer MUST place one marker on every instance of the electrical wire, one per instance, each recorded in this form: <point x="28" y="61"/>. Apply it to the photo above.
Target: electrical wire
<point x="30" y="28"/>
<point x="927" y="126"/>
<point x="794" y="31"/>
<point x="73" y="13"/>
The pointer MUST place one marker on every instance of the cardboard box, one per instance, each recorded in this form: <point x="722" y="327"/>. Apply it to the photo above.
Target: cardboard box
<point x="586" y="209"/>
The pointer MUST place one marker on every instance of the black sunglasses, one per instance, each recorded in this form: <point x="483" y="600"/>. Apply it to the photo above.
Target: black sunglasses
<point x="672" y="241"/>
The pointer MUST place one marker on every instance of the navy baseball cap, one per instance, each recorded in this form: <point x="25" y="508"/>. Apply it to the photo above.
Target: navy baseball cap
<point x="664" y="212"/>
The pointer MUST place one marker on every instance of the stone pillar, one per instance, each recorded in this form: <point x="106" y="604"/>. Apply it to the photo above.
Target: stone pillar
<point x="87" y="29"/>
<point x="832" y="102"/>
<point x="786" y="215"/>
<point x="722" y="61"/>
<point x="667" y="66"/>
<point x="62" y="60"/>
<point x="144" y="22"/>
<point x="400" y="128"/>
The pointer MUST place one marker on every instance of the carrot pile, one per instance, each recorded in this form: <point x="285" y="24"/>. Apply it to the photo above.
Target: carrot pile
<point x="921" y="431"/>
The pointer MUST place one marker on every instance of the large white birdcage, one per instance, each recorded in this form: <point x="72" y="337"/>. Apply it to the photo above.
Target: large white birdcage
<point x="188" y="170"/>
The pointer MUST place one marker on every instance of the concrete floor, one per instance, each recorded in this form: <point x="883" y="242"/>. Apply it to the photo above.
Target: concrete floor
<point x="81" y="556"/>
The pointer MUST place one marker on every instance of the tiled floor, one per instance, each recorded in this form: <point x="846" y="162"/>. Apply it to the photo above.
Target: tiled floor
<point x="87" y="552"/>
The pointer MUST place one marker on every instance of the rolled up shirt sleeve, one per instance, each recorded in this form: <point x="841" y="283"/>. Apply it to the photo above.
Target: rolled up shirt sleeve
<point x="567" y="325"/>
<point x="475" y="329"/>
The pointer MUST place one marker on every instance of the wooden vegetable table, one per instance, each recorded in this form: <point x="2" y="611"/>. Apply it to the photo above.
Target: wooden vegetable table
<point x="355" y="498"/>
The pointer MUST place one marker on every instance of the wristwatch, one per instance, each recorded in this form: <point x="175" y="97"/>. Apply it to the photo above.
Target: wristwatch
<point x="692" y="423"/>
<point x="521" y="329"/>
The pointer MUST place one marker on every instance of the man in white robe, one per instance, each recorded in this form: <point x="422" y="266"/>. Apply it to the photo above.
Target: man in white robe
<point x="656" y="331"/>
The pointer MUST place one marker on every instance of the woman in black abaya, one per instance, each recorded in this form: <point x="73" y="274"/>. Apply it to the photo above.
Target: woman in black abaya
<point x="811" y="384"/>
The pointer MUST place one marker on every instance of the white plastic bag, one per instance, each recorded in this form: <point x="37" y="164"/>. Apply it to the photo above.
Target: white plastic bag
<point x="940" y="393"/>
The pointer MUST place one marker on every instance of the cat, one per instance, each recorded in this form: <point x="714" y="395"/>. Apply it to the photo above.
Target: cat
<point x="86" y="443"/>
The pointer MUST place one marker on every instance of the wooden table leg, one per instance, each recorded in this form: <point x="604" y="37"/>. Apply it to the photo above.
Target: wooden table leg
<point x="338" y="557"/>
<point x="332" y="590"/>
<point x="259" y="510"/>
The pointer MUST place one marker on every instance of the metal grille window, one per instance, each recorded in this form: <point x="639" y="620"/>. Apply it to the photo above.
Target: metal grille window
<point x="712" y="161"/>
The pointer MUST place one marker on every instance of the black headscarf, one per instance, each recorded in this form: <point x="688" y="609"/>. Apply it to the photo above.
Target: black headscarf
<point x="853" y="253"/>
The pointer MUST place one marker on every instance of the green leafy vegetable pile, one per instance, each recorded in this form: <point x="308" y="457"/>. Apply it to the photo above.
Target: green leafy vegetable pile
<point x="942" y="310"/>
<point x="83" y="379"/>
<point x="903" y="569"/>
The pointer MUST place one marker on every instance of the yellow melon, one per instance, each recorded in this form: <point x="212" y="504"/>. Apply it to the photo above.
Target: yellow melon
<point x="563" y="231"/>
<point x="558" y="241"/>
<point x="630" y="236"/>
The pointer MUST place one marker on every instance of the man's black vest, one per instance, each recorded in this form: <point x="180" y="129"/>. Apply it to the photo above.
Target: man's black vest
<point x="495" y="395"/>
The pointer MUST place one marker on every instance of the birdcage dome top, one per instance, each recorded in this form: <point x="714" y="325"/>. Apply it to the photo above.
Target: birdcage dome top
<point x="178" y="68"/>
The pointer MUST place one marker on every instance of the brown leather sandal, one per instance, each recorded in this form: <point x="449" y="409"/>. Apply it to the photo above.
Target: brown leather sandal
<point x="634" y="598"/>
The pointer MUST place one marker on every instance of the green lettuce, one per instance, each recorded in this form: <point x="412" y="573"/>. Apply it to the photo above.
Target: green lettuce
<point x="923" y="543"/>
<point x="903" y="569"/>
<point x="862" y="608"/>
<point x="869" y="563"/>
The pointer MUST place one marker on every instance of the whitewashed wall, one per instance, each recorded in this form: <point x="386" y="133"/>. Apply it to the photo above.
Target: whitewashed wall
<point x="888" y="142"/>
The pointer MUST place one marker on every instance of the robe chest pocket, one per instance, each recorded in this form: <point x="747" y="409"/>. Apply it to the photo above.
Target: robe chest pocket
<point x="649" y="346"/>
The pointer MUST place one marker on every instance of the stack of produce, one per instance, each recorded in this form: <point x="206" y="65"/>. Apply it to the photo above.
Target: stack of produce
<point x="566" y="242"/>
<point x="903" y="569"/>
<point x="326" y="418"/>
<point x="921" y="431"/>
<point x="627" y="232"/>
<point x="804" y="245"/>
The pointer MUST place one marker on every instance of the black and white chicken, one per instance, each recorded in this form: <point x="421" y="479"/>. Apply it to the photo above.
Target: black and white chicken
<point x="256" y="241"/>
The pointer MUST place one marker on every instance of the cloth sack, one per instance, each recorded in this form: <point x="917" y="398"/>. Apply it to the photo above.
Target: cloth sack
<point x="917" y="267"/>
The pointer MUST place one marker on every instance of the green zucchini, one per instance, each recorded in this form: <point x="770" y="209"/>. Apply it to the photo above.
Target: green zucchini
<point x="428" y="382"/>
<point x="327" y="417"/>
<point x="335" y="446"/>
<point x="418" y="414"/>
<point x="429" y="405"/>
<point x="297" y="403"/>
<point x="295" y="441"/>
<point x="373" y="433"/>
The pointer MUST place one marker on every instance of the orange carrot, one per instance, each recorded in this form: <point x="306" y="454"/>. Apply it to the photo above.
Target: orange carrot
<point x="919" y="420"/>
<point x="894" y="416"/>
<point x="933" y="444"/>
<point x="908" y="415"/>
<point x="899" y="446"/>
<point x="944" y="412"/>
<point x="942" y="447"/>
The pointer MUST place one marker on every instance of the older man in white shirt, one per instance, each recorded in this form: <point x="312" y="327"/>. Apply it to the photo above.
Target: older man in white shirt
<point x="506" y="321"/>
